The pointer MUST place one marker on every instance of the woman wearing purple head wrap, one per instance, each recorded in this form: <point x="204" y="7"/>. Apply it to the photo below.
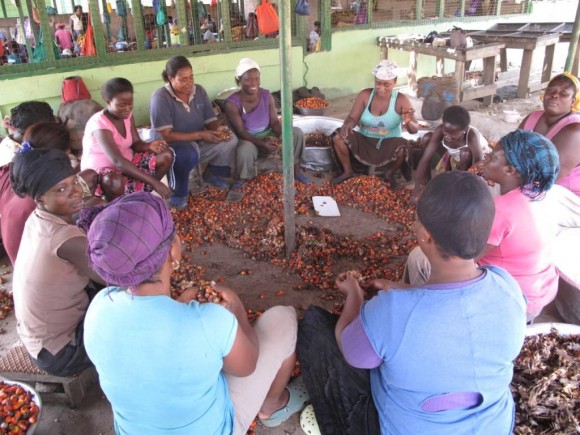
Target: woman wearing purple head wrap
<point x="214" y="371"/>
<point x="52" y="280"/>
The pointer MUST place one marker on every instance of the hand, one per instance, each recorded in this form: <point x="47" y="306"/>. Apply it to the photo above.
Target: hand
<point x="269" y="146"/>
<point x="408" y="116"/>
<point x="230" y="300"/>
<point x="347" y="283"/>
<point x="210" y="136"/>
<point x="158" y="146"/>
<point x="346" y="129"/>
<point x="189" y="294"/>
<point x="162" y="190"/>
<point x="417" y="192"/>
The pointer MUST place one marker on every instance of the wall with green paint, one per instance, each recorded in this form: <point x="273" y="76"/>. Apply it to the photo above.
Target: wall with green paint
<point x="215" y="73"/>
<point x="343" y="70"/>
<point x="346" y="69"/>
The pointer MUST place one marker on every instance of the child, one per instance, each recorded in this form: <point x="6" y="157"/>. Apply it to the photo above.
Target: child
<point x="314" y="40"/>
<point x="436" y="358"/>
<point x="460" y="144"/>
<point x="112" y="147"/>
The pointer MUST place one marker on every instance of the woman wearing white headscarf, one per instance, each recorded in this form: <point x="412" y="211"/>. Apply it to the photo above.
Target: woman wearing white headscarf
<point x="379" y="113"/>
<point x="252" y="114"/>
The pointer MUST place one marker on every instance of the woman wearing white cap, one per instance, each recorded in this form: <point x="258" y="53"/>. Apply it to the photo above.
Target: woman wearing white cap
<point x="378" y="112"/>
<point x="252" y="114"/>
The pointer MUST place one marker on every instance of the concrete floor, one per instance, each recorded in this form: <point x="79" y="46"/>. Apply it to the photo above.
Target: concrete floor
<point x="94" y="416"/>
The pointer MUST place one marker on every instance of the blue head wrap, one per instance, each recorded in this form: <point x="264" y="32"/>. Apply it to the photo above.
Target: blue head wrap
<point x="534" y="157"/>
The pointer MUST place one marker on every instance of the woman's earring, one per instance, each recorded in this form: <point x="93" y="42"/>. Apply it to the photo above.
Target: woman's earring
<point x="175" y="264"/>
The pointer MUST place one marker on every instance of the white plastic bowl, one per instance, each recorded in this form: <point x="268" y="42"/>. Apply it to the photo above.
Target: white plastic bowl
<point x="511" y="116"/>
<point x="545" y="328"/>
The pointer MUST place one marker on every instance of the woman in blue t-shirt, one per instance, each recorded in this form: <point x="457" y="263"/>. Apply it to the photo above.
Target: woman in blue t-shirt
<point x="179" y="366"/>
<point x="434" y="359"/>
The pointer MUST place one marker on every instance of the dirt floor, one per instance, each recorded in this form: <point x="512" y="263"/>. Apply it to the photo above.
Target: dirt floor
<point x="241" y="245"/>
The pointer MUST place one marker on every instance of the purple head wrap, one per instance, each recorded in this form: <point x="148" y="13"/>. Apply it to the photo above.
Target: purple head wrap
<point x="129" y="240"/>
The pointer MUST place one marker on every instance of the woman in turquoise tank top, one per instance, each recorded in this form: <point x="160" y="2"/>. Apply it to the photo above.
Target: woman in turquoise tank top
<point x="379" y="113"/>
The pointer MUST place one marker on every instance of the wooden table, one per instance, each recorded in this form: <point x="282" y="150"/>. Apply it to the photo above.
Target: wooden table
<point x="487" y="52"/>
<point x="527" y="39"/>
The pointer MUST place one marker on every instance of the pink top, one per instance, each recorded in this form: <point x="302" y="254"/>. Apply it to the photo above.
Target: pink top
<point x="572" y="180"/>
<point x="94" y="156"/>
<point x="522" y="249"/>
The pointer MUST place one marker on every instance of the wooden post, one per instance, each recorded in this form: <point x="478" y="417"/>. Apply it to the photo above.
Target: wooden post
<point x="47" y="32"/>
<point x="547" y="66"/>
<point x="225" y="12"/>
<point x="573" y="41"/>
<point x="287" y="140"/>
<point x="525" y="72"/>
<point x="439" y="66"/>
<point x="182" y="22"/>
<point x="503" y="64"/>
<point x="412" y="73"/>
<point x="139" y="25"/>
<point x="488" y="77"/>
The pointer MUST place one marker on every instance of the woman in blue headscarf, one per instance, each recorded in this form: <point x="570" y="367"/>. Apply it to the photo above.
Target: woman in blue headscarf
<point x="525" y="165"/>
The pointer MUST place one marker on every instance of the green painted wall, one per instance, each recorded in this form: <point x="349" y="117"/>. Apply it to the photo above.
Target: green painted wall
<point x="344" y="70"/>
<point x="215" y="73"/>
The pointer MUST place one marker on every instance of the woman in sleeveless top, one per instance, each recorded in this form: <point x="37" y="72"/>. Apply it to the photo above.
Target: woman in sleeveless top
<point x="560" y="122"/>
<point x="378" y="112"/>
<point x="460" y="145"/>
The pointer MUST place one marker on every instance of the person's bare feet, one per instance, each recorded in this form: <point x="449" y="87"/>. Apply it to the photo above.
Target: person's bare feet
<point x="343" y="177"/>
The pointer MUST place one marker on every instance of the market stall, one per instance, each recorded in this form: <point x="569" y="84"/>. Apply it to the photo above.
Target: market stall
<point x="461" y="56"/>
<point x="527" y="37"/>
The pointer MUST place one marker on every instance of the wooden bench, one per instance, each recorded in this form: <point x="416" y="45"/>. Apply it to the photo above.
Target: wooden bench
<point x="16" y="365"/>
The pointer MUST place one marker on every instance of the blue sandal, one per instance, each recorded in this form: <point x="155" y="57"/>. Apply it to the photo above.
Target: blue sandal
<point x="298" y="397"/>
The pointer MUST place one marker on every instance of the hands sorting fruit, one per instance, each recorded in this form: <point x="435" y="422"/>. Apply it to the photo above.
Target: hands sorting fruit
<point x="224" y="133"/>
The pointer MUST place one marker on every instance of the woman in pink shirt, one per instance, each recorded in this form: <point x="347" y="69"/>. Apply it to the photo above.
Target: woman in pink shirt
<point x="560" y="122"/>
<point x="525" y="165"/>
<point x="112" y="147"/>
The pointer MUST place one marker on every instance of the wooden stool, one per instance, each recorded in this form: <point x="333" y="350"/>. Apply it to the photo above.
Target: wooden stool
<point x="16" y="365"/>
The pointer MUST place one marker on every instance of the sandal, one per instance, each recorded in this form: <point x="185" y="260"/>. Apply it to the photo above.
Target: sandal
<point x="298" y="397"/>
<point x="308" y="421"/>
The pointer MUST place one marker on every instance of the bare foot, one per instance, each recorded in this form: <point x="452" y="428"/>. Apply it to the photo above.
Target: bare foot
<point x="345" y="176"/>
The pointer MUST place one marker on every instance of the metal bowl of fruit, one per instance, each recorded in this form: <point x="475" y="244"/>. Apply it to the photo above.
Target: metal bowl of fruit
<point x="312" y="106"/>
<point x="20" y="407"/>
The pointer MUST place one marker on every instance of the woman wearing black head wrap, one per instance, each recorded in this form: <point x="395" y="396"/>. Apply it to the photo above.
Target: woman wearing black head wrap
<point x="51" y="274"/>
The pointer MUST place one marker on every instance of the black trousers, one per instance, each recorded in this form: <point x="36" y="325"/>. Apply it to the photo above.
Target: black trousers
<point x="340" y="394"/>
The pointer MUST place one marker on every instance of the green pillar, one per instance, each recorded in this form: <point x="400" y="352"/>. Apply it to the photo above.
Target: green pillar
<point x="182" y="22"/>
<point x="97" y="28"/>
<point x="47" y="32"/>
<point x="137" y="12"/>
<point x="225" y="13"/>
<point x="287" y="140"/>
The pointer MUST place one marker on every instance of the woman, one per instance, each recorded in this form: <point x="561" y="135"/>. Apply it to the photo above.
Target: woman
<point x="560" y="123"/>
<point x="460" y="145"/>
<point x="213" y="371"/>
<point x="22" y="117"/>
<point x="52" y="279"/>
<point x="525" y="166"/>
<point x="252" y="114"/>
<point x="182" y="114"/>
<point x="14" y="209"/>
<point x="430" y="359"/>
<point x="378" y="112"/>
<point x="112" y="147"/>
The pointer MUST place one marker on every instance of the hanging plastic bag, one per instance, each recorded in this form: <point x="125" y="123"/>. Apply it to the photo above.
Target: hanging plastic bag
<point x="88" y="47"/>
<point x="74" y="89"/>
<point x="361" y="15"/>
<point x="121" y="8"/>
<point x="156" y="4"/>
<point x="161" y="18"/>
<point x="201" y="13"/>
<point x="302" y="7"/>
<point x="252" y="26"/>
<point x="267" y="18"/>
